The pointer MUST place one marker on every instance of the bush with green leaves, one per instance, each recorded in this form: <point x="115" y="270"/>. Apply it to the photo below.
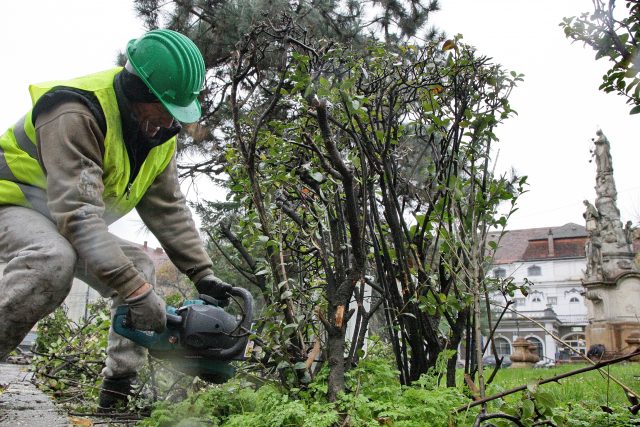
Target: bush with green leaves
<point x="613" y="34"/>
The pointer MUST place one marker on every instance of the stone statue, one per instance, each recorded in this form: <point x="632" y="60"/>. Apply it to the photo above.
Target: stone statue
<point x="591" y="215"/>
<point x="609" y="243"/>
<point x="593" y="251"/>
<point x="602" y="154"/>
<point x="628" y="232"/>
<point x="612" y="279"/>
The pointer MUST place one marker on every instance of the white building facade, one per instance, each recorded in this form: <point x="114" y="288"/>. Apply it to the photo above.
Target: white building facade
<point x="552" y="260"/>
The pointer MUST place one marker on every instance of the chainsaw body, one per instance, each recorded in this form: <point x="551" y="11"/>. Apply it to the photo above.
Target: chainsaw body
<point x="200" y="338"/>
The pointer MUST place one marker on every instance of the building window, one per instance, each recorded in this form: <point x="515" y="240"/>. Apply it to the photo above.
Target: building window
<point x="499" y="273"/>
<point x="534" y="270"/>
<point x="503" y="348"/>
<point x="536" y="298"/>
<point x="538" y="350"/>
<point x="574" y="300"/>
<point x="552" y="300"/>
<point x="519" y="302"/>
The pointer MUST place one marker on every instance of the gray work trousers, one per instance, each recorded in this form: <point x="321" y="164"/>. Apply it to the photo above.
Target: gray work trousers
<point x="41" y="265"/>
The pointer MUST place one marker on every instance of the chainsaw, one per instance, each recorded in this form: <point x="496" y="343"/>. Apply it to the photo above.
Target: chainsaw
<point x="200" y="339"/>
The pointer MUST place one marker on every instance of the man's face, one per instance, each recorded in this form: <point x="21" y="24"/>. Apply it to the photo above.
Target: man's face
<point x="152" y="116"/>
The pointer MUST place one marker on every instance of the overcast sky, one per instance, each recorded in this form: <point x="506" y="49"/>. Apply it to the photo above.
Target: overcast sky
<point x="559" y="105"/>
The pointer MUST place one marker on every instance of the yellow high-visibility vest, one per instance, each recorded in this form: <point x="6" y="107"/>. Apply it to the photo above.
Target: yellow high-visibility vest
<point x="23" y="182"/>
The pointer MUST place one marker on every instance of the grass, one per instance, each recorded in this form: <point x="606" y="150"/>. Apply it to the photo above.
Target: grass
<point x="590" y="386"/>
<point x="576" y="401"/>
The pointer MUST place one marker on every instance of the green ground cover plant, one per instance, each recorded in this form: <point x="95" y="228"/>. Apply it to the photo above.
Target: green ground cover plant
<point x="375" y="397"/>
<point x="69" y="359"/>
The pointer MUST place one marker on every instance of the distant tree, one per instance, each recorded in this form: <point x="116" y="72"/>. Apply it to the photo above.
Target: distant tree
<point x="614" y="34"/>
<point x="170" y="281"/>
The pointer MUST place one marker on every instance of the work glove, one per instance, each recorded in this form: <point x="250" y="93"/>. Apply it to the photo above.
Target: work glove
<point x="147" y="312"/>
<point x="214" y="287"/>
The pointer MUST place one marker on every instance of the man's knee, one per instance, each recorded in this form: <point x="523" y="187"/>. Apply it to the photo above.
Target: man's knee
<point x="39" y="277"/>
<point x="35" y="282"/>
<point x="51" y="266"/>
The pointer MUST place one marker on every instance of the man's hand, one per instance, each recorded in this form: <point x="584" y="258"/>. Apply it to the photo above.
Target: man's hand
<point x="146" y="309"/>
<point x="214" y="287"/>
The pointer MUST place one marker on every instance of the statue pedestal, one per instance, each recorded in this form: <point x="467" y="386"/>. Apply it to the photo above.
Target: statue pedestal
<point x="613" y="312"/>
<point x="613" y="336"/>
<point x="633" y="342"/>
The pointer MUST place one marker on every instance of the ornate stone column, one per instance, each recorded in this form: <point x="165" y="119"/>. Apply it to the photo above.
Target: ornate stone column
<point x="612" y="279"/>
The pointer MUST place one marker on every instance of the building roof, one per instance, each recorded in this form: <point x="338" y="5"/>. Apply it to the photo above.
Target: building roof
<point x="533" y="243"/>
<point x="157" y="255"/>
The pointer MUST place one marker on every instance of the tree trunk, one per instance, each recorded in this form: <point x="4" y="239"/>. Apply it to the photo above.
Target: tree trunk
<point x="457" y="332"/>
<point x="336" y="350"/>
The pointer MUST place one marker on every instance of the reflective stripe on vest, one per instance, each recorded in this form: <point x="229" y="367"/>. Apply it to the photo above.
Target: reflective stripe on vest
<point x="22" y="181"/>
<point x="23" y="140"/>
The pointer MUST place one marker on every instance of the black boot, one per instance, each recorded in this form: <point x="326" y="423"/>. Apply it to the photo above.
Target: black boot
<point x="115" y="392"/>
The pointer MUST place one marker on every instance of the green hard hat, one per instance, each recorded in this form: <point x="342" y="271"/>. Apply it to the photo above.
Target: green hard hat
<point x="171" y="65"/>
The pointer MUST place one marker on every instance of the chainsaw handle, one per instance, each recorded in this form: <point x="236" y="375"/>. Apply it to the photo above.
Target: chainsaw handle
<point x="174" y="319"/>
<point x="245" y="325"/>
<point x="247" y="299"/>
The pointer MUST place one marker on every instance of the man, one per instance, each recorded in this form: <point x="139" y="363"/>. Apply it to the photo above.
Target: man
<point x="90" y="150"/>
